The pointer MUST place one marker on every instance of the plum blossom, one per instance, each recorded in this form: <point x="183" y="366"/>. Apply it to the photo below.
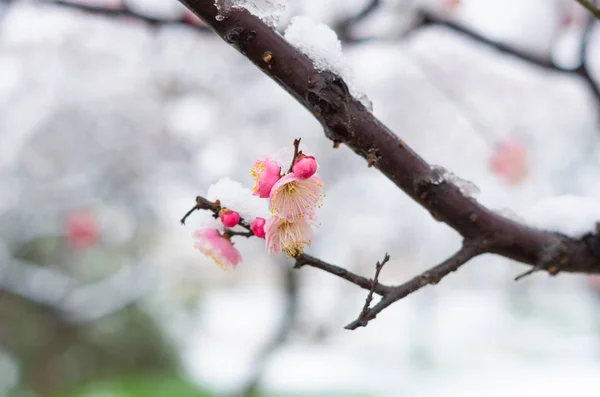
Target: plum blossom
<point x="288" y="237"/>
<point x="265" y="172"/>
<point x="510" y="162"/>
<point x="229" y="218"/>
<point x="293" y="198"/>
<point x="217" y="247"/>
<point x="305" y="166"/>
<point x="83" y="229"/>
<point x="258" y="227"/>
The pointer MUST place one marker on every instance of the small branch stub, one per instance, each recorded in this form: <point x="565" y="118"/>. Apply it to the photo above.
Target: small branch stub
<point x="378" y="267"/>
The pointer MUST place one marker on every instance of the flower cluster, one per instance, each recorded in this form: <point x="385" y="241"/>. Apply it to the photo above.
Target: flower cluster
<point x="293" y="198"/>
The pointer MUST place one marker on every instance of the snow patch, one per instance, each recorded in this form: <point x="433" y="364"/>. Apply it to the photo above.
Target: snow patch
<point x="268" y="11"/>
<point x="238" y="198"/>
<point x="320" y="43"/>
<point x="571" y="215"/>
<point x="467" y="188"/>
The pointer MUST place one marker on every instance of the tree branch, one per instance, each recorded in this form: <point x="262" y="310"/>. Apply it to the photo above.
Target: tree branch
<point x="344" y="27"/>
<point x="307" y="260"/>
<point x="346" y="120"/>
<point x="427" y="18"/>
<point x="432" y="276"/>
<point x="593" y="9"/>
<point x="366" y="308"/>
<point x="122" y="12"/>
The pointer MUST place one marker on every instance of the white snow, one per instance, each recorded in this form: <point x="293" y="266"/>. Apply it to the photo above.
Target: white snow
<point x="567" y="214"/>
<point x="238" y="198"/>
<point x="318" y="42"/>
<point x="268" y="11"/>
<point x="467" y="188"/>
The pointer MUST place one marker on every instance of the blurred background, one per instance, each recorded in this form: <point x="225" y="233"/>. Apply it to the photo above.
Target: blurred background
<point x="115" y="114"/>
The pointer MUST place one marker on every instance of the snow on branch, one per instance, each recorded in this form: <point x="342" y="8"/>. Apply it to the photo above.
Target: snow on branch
<point x="346" y="120"/>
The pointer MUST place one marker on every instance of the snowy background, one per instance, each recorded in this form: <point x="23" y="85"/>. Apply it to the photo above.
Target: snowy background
<point x="111" y="125"/>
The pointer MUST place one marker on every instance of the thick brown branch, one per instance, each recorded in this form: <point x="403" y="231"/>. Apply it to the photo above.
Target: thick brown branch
<point x="431" y="276"/>
<point x="346" y="120"/>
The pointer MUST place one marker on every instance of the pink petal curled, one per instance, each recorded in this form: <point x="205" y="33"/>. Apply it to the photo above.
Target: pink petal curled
<point x="265" y="173"/>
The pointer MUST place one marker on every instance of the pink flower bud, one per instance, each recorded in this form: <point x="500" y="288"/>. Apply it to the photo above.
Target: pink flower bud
<point x="258" y="227"/>
<point x="229" y="218"/>
<point x="305" y="167"/>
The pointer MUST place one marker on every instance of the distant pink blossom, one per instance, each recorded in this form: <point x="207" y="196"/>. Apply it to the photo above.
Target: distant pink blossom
<point x="510" y="162"/>
<point x="305" y="167"/>
<point x="258" y="227"/>
<point x="83" y="229"/>
<point x="288" y="237"/>
<point x="229" y="218"/>
<point x="265" y="173"/>
<point x="217" y="247"/>
<point x="594" y="282"/>
<point x="450" y="5"/>
<point x="293" y="198"/>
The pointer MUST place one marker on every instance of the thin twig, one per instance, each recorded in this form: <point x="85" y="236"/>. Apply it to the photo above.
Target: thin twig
<point x="431" y="276"/>
<point x="344" y="27"/>
<point x="378" y="267"/>
<point x="528" y="272"/>
<point x="122" y="12"/>
<point x="363" y="282"/>
<point x="296" y="152"/>
<point x="232" y="233"/>
<point x="427" y="18"/>
<point x="203" y="204"/>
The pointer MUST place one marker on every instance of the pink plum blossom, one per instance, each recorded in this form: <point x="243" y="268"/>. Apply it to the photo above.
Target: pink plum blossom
<point x="305" y="167"/>
<point x="258" y="227"/>
<point x="293" y="198"/>
<point x="288" y="237"/>
<point x="510" y="162"/>
<point x="219" y="248"/>
<point x="229" y="218"/>
<point x="265" y="173"/>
